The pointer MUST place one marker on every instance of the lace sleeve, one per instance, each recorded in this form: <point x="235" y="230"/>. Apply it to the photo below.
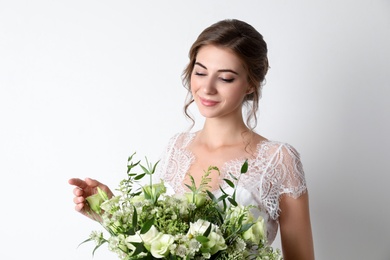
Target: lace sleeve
<point x="293" y="182"/>
<point x="284" y="175"/>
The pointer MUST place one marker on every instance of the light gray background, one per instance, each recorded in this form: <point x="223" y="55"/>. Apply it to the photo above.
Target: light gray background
<point x="84" y="84"/>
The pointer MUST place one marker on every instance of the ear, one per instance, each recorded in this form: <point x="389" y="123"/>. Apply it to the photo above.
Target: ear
<point x="250" y="90"/>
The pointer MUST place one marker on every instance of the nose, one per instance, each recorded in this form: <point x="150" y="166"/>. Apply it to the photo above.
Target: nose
<point x="209" y="87"/>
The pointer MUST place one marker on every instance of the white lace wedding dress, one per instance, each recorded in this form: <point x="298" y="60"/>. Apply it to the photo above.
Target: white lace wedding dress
<point x="276" y="170"/>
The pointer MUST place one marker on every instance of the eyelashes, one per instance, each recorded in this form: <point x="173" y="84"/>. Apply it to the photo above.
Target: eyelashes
<point x="227" y="80"/>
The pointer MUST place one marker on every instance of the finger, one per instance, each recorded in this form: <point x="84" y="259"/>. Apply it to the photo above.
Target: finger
<point x="92" y="183"/>
<point x="79" y="207"/>
<point x="78" y="192"/>
<point x="78" y="182"/>
<point x="79" y="200"/>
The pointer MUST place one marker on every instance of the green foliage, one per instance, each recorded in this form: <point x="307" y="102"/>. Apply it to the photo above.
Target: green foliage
<point x="197" y="225"/>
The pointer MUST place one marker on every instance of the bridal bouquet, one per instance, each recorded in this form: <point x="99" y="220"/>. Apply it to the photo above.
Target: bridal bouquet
<point x="144" y="222"/>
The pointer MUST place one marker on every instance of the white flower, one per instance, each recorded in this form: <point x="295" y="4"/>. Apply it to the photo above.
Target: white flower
<point x="160" y="246"/>
<point x="198" y="199"/>
<point x="256" y="232"/>
<point x="150" y="236"/>
<point x="215" y="242"/>
<point x="198" y="228"/>
<point x="154" y="191"/>
<point x="118" y="243"/>
<point x="97" y="236"/>
<point x="110" y="205"/>
<point x="137" y="199"/>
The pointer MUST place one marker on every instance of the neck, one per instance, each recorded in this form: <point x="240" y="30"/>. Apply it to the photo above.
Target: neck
<point x="217" y="133"/>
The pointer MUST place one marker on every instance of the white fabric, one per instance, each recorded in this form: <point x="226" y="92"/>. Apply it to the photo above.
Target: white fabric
<point x="276" y="170"/>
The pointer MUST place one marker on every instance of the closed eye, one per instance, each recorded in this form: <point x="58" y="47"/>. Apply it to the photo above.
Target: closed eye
<point x="227" y="80"/>
<point x="200" y="74"/>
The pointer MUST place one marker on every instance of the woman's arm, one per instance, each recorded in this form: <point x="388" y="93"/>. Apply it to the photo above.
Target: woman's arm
<point x="295" y="228"/>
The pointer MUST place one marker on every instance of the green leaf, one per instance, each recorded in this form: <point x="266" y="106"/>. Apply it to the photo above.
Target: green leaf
<point x="154" y="167"/>
<point x="233" y="202"/>
<point x="202" y="239"/>
<point x="244" y="167"/>
<point x="233" y="177"/>
<point x="85" y="241"/>
<point x="139" y="248"/>
<point x="211" y="195"/>
<point x="229" y="182"/>
<point x="188" y="186"/>
<point x="135" y="217"/>
<point x="224" y="205"/>
<point x="144" y="169"/>
<point x="223" y="197"/>
<point x="208" y="230"/>
<point x="223" y="190"/>
<point x="131" y="157"/>
<point x="96" y="247"/>
<point x="234" y="194"/>
<point x="245" y="227"/>
<point x="139" y="176"/>
<point x="148" y="224"/>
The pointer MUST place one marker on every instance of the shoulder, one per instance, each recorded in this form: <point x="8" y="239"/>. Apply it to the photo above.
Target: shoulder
<point x="277" y="150"/>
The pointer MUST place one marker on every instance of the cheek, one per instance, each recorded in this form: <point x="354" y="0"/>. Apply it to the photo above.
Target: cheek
<point x="236" y="97"/>
<point x="194" y="85"/>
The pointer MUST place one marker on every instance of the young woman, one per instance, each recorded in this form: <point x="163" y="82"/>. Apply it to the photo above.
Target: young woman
<point x="228" y="64"/>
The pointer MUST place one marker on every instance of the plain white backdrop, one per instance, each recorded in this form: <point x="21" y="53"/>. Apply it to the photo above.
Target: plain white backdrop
<point x="84" y="84"/>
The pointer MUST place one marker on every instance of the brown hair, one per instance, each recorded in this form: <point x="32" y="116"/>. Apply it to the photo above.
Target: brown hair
<point x="248" y="44"/>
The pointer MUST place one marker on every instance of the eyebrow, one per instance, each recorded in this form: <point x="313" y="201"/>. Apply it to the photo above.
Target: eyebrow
<point x="222" y="70"/>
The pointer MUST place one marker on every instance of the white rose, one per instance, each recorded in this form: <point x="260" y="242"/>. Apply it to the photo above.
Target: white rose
<point x="150" y="236"/>
<point x="160" y="246"/>
<point x="256" y="232"/>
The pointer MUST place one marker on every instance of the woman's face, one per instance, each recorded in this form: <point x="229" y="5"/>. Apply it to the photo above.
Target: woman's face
<point x="218" y="82"/>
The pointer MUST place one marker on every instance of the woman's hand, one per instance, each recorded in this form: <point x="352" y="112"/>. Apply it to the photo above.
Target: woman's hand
<point x="84" y="189"/>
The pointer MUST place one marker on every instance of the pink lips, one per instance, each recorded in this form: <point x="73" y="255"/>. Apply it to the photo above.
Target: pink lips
<point x="208" y="102"/>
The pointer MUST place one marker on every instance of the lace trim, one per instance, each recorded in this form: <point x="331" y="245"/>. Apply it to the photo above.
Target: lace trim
<point x="275" y="171"/>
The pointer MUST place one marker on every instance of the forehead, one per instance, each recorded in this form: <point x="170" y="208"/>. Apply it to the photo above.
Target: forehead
<point x="216" y="57"/>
